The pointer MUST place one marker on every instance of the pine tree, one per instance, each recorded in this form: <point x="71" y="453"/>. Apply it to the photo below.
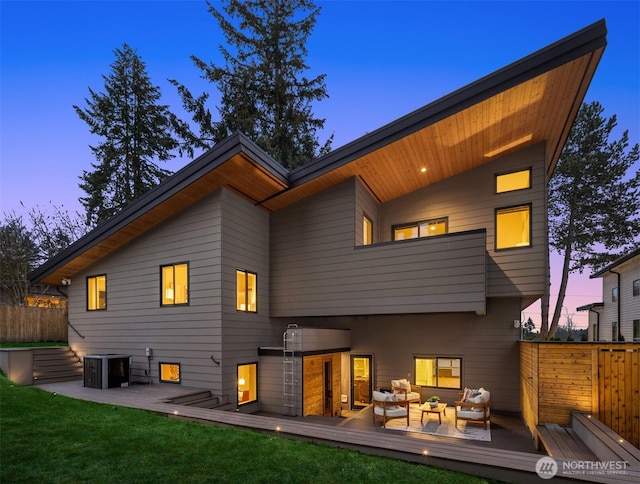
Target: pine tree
<point x="594" y="201"/>
<point x="137" y="131"/>
<point x="264" y="92"/>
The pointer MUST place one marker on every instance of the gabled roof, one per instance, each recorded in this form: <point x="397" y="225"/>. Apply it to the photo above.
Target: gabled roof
<point x="530" y="101"/>
<point x="616" y="263"/>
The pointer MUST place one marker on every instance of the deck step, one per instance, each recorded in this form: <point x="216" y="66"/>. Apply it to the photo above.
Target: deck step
<point x="203" y="399"/>
<point x="56" y="364"/>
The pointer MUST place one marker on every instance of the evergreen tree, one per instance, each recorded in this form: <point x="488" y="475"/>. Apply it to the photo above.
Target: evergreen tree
<point x="264" y="92"/>
<point x="18" y="255"/>
<point x="594" y="201"/>
<point x="137" y="131"/>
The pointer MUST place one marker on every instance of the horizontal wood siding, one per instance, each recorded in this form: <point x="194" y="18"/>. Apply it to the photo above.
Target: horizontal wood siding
<point x="245" y="245"/>
<point x="469" y="201"/>
<point x="134" y="319"/>
<point x="316" y="270"/>
<point x="271" y="386"/>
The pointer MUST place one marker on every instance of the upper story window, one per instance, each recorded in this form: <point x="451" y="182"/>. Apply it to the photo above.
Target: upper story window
<point x="636" y="287"/>
<point x="425" y="228"/>
<point x="174" y="284"/>
<point x="97" y="292"/>
<point x="513" y="227"/>
<point x="516" y="180"/>
<point x="367" y="231"/>
<point x="614" y="294"/>
<point x="246" y="291"/>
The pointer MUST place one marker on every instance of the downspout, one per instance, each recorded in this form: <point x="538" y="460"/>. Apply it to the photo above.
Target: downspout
<point x="597" y="336"/>
<point x="619" y="303"/>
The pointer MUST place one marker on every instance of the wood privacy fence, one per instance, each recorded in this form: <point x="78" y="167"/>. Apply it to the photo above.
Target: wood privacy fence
<point x="25" y="324"/>
<point x="599" y="378"/>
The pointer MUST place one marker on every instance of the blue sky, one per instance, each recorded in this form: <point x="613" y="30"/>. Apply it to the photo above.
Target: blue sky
<point x="383" y="59"/>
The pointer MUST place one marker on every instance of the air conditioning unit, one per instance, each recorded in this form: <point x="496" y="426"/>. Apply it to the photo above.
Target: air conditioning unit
<point x="106" y="371"/>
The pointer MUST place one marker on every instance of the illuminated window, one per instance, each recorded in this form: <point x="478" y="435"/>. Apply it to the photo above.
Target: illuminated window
<point x="169" y="372"/>
<point x="246" y="291"/>
<point x="438" y="372"/>
<point x="513" y="227"/>
<point x="247" y="383"/>
<point x="367" y="231"/>
<point x="174" y="284"/>
<point x="517" y="180"/>
<point x="614" y="294"/>
<point x="96" y="293"/>
<point x="426" y="228"/>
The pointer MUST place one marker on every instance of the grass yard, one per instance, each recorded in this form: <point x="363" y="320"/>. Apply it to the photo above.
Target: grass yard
<point x="51" y="438"/>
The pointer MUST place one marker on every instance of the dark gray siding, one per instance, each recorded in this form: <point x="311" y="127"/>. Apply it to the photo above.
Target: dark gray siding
<point x="134" y="319"/>
<point x="316" y="269"/>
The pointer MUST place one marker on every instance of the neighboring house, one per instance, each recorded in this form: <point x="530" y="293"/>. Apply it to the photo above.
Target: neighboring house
<point x="594" y="317"/>
<point x="408" y="253"/>
<point x="619" y="313"/>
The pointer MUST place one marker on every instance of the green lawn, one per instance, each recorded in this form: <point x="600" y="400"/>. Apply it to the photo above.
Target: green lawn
<point x="51" y="438"/>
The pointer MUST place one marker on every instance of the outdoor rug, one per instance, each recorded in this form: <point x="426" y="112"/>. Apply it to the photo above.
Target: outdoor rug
<point x="430" y="425"/>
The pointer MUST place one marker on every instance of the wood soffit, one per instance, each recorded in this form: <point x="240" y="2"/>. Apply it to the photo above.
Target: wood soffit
<point x="538" y="109"/>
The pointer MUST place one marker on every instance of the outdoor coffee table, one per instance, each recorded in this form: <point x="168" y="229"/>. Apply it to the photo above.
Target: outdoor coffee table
<point x="440" y="409"/>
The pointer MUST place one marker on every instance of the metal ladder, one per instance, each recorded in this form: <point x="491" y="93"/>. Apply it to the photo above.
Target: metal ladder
<point x="289" y="369"/>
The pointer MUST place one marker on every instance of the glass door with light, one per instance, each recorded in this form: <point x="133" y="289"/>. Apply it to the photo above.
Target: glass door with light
<point x="361" y="371"/>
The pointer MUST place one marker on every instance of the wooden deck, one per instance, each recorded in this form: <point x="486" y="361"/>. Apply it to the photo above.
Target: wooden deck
<point x="502" y="459"/>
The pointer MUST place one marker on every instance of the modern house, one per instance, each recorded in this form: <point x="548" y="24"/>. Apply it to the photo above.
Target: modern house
<point x="407" y="253"/>
<point x="617" y="317"/>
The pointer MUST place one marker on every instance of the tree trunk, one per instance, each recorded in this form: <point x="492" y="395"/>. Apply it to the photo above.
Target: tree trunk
<point x="561" y="293"/>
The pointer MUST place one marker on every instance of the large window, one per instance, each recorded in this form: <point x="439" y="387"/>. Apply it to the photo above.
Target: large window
<point x="246" y="291"/>
<point x="96" y="292"/>
<point x="426" y="228"/>
<point x="516" y="180"/>
<point x="174" y="284"/>
<point x="513" y="227"/>
<point x="438" y="372"/>
<point x="247" y="383"/>
<point x="367" y="231"/>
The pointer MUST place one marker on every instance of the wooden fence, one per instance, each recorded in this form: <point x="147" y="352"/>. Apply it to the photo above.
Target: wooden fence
<point x="25" y="324"/>
<point x="598" y="378"/>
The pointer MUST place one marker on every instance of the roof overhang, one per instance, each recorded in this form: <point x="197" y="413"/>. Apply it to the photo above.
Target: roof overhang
<point x="531" y="101"/>
<point x="619" y="261"/>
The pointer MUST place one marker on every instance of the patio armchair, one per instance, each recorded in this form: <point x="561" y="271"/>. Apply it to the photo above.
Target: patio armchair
<point x="405" y="391"/>
<point x="387" y="407"/>
<point x="473" y="406"/>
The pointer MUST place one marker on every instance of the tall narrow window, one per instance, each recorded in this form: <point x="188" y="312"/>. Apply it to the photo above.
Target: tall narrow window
<point x="367" y="231"/>
<point x="174" y="284"/>
<point x="96" y="292"/>
<point x="247" y="383"/>
<point x="614" y="294"/>
<point x="246" y="291"/>
<point x="614" y="331"/>
<point x="517" y="180"/>
<point x="636" y="330"/>
<point x="636" y="287"/>
<point x="513" y="227"/>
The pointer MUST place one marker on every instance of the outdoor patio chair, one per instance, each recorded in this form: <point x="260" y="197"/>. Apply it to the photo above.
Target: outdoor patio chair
<point x="473" y="406"/>
<point x="387" y="407"/>
<point x="406" y="391"/>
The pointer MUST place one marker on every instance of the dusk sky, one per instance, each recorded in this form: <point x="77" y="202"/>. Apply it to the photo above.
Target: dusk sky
<point x="383" y="59"/>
